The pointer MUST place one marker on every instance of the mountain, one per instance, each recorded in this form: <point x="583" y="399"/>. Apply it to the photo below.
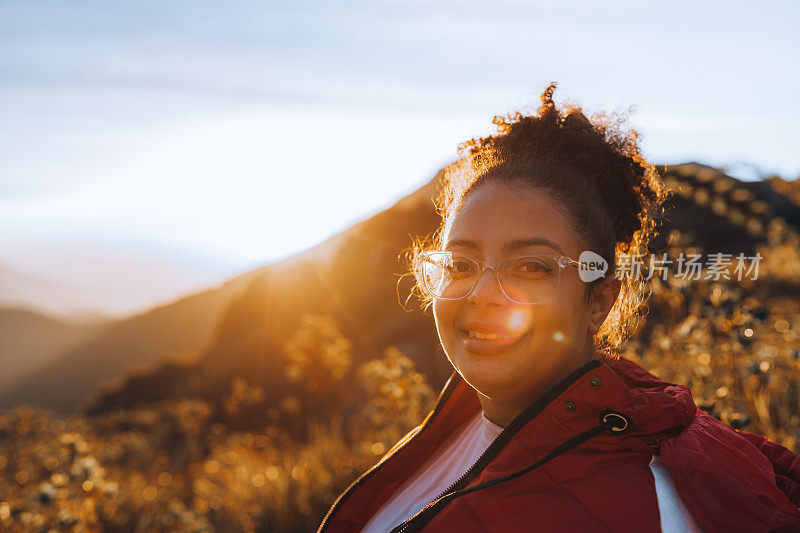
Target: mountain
<point x="176" y="330"/>
<point x="353" y="277"/>
<point x="723" y="213"/>
<point x="32" y="340"/>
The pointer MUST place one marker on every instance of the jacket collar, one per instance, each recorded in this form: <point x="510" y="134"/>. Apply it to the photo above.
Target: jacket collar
<point x="656" y="410"/>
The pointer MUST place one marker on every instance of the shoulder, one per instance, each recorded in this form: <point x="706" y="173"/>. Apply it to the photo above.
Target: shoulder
<point x="707" y="444"/>
<point x="725" y="480"/>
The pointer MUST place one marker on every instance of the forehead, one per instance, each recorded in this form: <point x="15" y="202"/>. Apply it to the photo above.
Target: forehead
<point x="499" y="217"/>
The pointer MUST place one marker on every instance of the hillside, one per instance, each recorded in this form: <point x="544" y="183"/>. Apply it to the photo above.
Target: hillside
<point x="180" y="329"/>
<point x="353" y="277"/>
<point x="32" y="340"/>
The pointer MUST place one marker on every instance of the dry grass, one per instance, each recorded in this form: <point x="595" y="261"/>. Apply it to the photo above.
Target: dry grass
<point x="169" y="467"/>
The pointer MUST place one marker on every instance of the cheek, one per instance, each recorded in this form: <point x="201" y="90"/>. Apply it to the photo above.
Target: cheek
<point x="549" y="321"/>
<point x="572" y="317"/>
<point x="561" y="318"/>
<point x="444" y="314"/>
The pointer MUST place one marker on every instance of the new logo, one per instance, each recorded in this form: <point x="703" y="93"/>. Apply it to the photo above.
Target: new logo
<point x="592" y="266"/>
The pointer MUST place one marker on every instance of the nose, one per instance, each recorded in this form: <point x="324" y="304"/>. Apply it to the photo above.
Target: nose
<point x="487" y="290"/>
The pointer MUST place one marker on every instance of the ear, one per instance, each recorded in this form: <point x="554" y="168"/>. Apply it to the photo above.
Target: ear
<point x="603" y="298"/>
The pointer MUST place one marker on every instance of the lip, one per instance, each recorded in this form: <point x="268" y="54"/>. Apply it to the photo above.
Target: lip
<point x="486" y="327"/>
<point x="487" y="346"/>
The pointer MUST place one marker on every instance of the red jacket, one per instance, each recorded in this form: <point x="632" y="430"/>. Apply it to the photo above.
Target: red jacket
<point x="560" y="467"/>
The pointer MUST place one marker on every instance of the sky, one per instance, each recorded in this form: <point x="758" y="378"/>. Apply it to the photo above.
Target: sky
<point x="150" y="148"/>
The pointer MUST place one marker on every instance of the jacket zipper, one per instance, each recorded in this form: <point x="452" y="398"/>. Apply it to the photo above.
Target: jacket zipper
<point x="488" y="455"/>
<point x="508" y="432"/>
<point x="448" y="389"/>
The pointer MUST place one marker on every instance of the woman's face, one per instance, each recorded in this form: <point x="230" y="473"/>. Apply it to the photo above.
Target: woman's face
<point x="547" y="339"/>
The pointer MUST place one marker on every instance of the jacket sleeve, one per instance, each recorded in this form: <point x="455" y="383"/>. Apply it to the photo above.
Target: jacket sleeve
<point x="785" y="463"/>
<point x="729" y="483"/>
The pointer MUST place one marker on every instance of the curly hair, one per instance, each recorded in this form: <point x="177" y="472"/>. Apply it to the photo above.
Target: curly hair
<point x="595" y="172"/>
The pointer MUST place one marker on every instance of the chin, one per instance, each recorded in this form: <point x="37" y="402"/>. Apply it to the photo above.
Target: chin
<point x="491" y="378"/>
<point x="518" y="375"/>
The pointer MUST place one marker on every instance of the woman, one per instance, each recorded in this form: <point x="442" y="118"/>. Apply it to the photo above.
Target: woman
<point x="538" y="428"/>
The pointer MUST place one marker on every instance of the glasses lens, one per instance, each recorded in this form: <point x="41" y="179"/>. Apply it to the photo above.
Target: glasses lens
<point x="530" y="279"/>
<point x="449" y="276"/>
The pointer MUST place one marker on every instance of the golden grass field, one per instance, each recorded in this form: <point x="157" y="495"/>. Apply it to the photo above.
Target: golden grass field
<point x="188" y="465"/>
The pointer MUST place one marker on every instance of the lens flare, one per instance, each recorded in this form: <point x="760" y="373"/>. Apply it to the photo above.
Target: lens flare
<point x="519" y="320"/>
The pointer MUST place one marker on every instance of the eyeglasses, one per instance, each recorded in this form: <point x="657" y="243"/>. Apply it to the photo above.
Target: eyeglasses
<point x="525" y="279"/>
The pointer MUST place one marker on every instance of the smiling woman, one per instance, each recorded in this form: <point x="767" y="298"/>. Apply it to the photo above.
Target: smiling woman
<point x="540" y="426"/>
<point x="557" y="328"/>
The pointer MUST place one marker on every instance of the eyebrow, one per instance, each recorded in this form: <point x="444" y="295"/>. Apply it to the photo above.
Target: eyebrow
<point x="509" y="246"/>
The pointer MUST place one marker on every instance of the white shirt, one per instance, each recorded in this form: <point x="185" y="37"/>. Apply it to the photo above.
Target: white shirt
<point x="436" y="474"/>
<point x="458" y="453"/>
<point x="675" y="517"/>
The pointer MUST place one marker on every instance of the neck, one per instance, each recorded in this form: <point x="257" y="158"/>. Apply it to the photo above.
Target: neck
<point x="503" y="412"/>
<point x="498" y="413"/>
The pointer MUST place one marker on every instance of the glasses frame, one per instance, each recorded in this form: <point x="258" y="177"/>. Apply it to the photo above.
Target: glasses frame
<point x="562" y="260"/>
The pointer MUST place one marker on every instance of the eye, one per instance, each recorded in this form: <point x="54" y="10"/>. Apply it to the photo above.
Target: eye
<point x="531" y="266"/>
<point x="534" y="266"/>
<point x="462" y="266"/>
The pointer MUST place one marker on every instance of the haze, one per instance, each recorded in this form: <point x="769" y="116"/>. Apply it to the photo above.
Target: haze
<point x="151" y="148"/>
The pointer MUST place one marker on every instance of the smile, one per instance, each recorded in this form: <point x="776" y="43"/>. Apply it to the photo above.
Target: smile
<point x="490" y="336"/>
<point x="484" y="343"/>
